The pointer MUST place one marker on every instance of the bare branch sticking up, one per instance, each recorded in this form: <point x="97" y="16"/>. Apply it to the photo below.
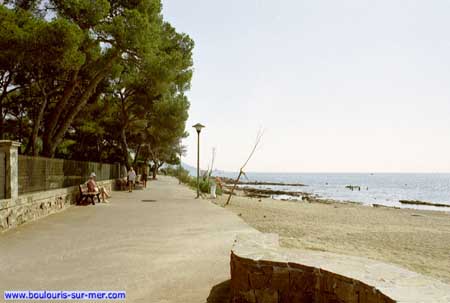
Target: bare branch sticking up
<point x="241" y="171"/>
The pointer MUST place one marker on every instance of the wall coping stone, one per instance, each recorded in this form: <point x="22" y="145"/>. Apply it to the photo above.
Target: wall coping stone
<point x="399" y="284"/>
<point x="9" y="143"/>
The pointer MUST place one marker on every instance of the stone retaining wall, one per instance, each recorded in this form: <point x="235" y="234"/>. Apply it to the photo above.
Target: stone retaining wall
<point x="29" y="207"/>
<point x="273" y="282"/>
<point x="262" y="272"/>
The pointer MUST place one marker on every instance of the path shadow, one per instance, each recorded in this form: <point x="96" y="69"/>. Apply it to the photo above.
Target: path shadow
<point x="86" y="202"/>
<point x="220" y="293"/>
<point x="83" y="203"/>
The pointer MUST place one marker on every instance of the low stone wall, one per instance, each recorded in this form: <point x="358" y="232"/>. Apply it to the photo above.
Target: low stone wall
<point x="261" y="271"/>
<point x="32" y="206"/>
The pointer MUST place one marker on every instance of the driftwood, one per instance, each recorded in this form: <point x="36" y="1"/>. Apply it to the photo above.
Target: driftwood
<point x="241" y="171"/>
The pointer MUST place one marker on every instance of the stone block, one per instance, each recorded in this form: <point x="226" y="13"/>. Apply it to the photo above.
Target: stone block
<point x="345" y="291"/>
<point x="266" y="296"/>
<point x="4" y="213"/>
<point x="301" y="281"/>
<point x="259" y="280"/>
<point x="248" y="296"/>
<point x="280" y="279"/>
<point x="239" y="276"/>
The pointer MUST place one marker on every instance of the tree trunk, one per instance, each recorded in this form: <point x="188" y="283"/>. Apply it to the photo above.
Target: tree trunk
<point x="3" y="97"/>
<point x="137" y="154"/>
<point x="51" y="145"/>
<point x="52" y="142"/>
<point x="35" y="132"/>
<point x="1" y="122"/>
<point x="52" y="123"/>
<point x="124" y="145"/>
<point x="154" y="171"/>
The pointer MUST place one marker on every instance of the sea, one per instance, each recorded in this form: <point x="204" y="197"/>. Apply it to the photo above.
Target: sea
<point x="375" y="188"/>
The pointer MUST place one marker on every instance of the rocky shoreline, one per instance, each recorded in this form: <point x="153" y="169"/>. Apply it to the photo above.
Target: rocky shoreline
<point x="265" y="193"/>
<point x="252" y="190"/>
<point x="232" y="181"/>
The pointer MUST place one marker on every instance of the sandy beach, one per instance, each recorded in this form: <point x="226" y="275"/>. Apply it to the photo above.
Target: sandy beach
<point x="416" y="240"/>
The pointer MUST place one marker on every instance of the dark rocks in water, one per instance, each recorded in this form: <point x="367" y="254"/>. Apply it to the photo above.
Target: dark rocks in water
<point x="271" y="183"/>
<point x="385" y="206"/>
<point x="227" y="191"/>
<point x="269" y="192"/>
<point x="256" y="195"/>
<point x="416" y="202"/>
<point x="310" y="197"/>
<point x="232" y="181"/>
<point x="260" y="193"/>
<point x="353" y="187"/>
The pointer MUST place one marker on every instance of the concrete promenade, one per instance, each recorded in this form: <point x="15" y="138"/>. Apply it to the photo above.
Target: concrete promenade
<point x="171" y="248"/>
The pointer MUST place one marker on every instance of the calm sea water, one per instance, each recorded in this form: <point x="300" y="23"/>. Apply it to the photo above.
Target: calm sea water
<point x="379" y="188"/>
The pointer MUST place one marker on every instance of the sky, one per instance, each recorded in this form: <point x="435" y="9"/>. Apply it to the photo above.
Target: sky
<point x="337" y="86"/>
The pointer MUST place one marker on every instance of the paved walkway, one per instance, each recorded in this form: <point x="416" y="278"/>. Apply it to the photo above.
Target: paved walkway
<point x="172" y="249"/>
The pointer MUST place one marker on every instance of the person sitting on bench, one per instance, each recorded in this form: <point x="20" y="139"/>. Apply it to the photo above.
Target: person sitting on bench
<point x="92" y="187"/>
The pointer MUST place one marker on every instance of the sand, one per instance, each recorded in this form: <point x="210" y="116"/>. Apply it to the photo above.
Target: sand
<point x="416" y="240"/>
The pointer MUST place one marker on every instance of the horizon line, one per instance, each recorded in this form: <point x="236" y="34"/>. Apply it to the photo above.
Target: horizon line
<point x="325" y="172"/>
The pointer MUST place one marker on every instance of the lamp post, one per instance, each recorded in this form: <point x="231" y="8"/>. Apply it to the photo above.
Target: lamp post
<point x="198" y="127"/>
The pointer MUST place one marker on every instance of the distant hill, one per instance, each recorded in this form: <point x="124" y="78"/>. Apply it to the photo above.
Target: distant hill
<point x="191" y="169"/>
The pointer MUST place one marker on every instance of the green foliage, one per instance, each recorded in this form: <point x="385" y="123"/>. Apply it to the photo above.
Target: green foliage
<point x="85" y="13"/>
<point x="63" y="148"/>
<point x="94" y="79"/>
<point x="183" y="176"/>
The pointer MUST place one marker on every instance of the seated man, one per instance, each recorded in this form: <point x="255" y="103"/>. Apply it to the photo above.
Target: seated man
<point x="93" y="188"/>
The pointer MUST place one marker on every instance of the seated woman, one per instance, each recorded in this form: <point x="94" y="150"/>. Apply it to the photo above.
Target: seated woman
<point x="92" y="187"/>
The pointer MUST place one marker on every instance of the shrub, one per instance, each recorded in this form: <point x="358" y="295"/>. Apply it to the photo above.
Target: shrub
<point x="183" y="175"/>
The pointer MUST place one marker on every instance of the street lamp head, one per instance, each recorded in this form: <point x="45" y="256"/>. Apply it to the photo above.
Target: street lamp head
<point x="198" y="127"/>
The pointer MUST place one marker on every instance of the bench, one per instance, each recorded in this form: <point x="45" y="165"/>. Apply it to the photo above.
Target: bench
<point x="85" y="194"/>
<point x="121" y="184"/>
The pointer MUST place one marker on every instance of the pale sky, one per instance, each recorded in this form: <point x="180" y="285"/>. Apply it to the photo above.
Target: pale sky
<point x="338" y="86"/>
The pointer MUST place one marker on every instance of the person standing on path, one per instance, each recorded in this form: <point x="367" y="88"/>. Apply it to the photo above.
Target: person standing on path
<point x="131" y="179"/>
<point x="144" y="177"/>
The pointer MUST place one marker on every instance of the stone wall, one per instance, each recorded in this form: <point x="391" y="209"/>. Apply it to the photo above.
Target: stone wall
<point x="263" y="272"/>
<point x="273" y="282"/>
<point x="29" y="207"/>
<point x="2" y="175"/>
